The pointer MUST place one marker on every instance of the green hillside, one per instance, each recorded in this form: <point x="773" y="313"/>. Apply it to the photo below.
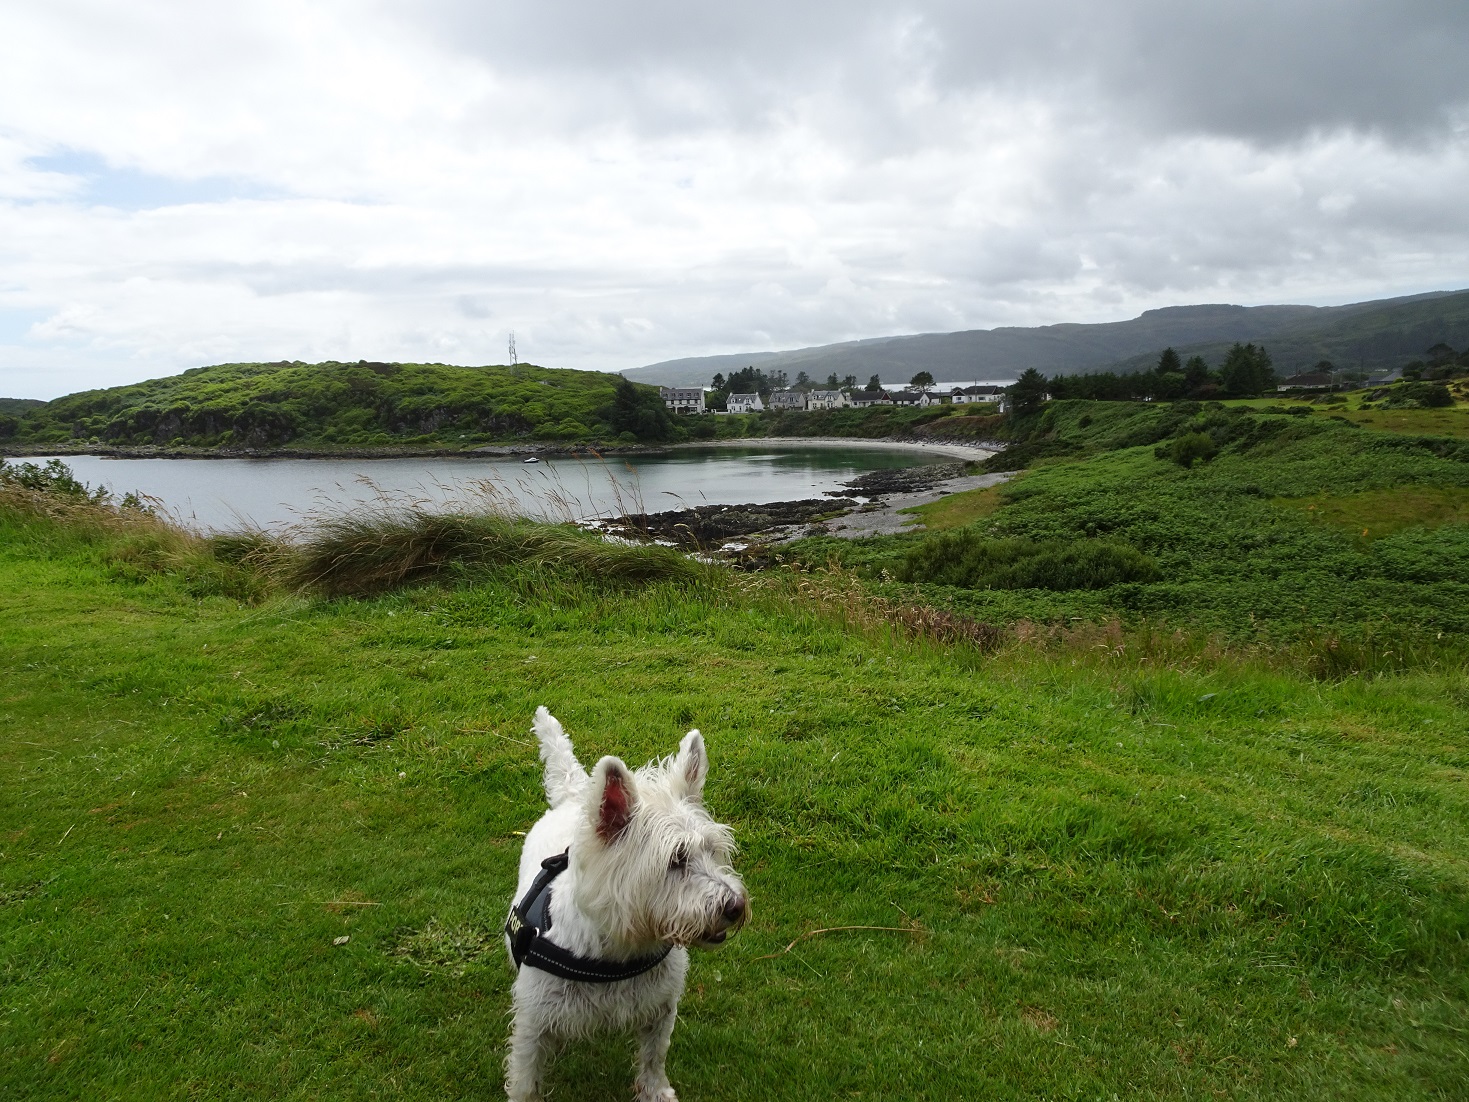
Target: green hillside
<point x="1370" y="337"/>
<point x="343" y="406"/>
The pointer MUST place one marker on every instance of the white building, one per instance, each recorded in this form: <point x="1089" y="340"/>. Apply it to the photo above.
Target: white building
<point x="827" y="399"/>
<point x="788" y="399"/>
<point x="683" y="399"/>
<point x="870" y="398"/>
<point x="960" y="396"/>
<point x="745" y="403"/>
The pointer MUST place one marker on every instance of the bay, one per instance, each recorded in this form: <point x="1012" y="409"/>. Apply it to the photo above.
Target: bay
<point x="230" y="494"/>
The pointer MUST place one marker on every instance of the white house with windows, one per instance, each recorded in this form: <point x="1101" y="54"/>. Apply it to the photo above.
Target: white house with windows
<point x="683" y="399"/>
<point x="969" y="394"/>
<point x="745" y="403"/>
<point x="827" y="399"/>
<point x="788" y="399"/>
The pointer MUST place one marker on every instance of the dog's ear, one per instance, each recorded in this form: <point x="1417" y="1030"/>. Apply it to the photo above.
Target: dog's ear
<point x="613" y="798"/>
<point x="691" y="765"/>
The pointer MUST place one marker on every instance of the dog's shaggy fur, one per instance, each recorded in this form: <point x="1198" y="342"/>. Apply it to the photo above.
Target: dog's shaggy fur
<point x="648" y="869"/>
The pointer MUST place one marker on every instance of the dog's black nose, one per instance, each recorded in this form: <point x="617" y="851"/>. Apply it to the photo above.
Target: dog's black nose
<point x="734" y="908"/>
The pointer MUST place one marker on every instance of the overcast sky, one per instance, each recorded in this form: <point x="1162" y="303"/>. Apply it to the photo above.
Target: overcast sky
<point x="620" y="183"/>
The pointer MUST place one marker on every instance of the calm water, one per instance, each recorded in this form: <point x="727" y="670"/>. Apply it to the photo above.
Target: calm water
<point x="272" y="493"/>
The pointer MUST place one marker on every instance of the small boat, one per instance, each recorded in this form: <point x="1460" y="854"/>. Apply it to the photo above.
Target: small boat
<point x="530" y="459"/>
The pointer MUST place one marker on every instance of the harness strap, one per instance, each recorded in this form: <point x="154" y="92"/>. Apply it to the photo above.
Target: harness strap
<point x="529" y="921"/>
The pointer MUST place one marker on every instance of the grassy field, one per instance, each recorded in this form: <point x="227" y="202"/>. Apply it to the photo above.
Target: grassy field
<point x="1261" y="546"/>
<point x="1451" y="421"/>
<point x="1114" y="864"/>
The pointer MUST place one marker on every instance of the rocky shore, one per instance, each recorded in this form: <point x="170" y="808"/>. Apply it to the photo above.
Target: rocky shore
<point x="870" y="505"/>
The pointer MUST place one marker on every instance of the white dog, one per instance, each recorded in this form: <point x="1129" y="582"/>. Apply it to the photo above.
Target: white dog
<point x="620" y="876"/>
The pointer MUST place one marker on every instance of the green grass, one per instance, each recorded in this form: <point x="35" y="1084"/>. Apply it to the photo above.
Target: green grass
<point x="1128" y="871"/>
<point x="958" y="510"/>
<point x="1373" y="514"/>
<point x="1452" y="421"/>
<point x="1231" y="560"/>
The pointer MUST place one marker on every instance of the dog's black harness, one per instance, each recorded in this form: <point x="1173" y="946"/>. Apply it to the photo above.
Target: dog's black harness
<point x="530" y="920"/>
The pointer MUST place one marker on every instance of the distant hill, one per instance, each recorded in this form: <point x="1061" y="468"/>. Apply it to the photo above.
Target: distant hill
<point x="1371" y="336"/>
<point x="16" y="407"/>
<point x="342" y="406"/>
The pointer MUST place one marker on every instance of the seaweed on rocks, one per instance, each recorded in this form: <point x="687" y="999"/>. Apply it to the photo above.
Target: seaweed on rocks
<point x="706" y="526"/>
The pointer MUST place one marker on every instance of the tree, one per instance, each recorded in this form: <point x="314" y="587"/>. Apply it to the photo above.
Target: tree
<point x="625" y="407"/>
<point x="874" y="384"/>
<point x="1440" y="354"/>
<point x="1246" y="371"/>
<point x="639" y="411"/>
<point x="922" y="381"/>
<point x="1196" y="372"/>
<point x="803" y="381"/>
<point x="1028" y="393"/>
<point x="1168" y="362"/>
<point x="718" y="383"/>
<point x="849" y="380"/>
<point x="831" y="381"/>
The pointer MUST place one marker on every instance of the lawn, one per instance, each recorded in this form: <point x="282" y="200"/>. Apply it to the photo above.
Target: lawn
<point x="1111" y="870"/>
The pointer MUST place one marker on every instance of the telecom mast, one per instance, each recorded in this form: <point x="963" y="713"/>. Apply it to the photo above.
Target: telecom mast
<point x="514" y="359"/>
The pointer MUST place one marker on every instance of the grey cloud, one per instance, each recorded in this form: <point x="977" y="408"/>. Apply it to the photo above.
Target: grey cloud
<point x="1260" y="70"/>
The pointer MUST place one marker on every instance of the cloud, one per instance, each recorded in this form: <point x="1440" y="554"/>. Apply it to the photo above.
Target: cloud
<point x="621" y="184"/>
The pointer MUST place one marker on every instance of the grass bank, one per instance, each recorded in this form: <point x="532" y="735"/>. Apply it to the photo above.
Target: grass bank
<point x="1292" y="532"/>
<point x="261" y="848"/>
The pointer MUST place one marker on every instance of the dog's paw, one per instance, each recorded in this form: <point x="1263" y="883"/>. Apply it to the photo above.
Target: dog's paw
<point x="662" y="1094"/>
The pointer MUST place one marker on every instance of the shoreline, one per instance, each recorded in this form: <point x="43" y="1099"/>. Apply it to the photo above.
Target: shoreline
<point x="972" y="452"/>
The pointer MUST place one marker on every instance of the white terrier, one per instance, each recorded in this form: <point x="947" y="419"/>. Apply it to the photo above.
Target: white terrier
<point x="620" y="876"/>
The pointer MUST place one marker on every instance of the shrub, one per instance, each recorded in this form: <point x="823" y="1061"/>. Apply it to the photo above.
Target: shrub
<point x="966" y="558"/>
<point x="1422" y="395"/>
<point x="54" y="478"/>
<point x="1184" y="450"/>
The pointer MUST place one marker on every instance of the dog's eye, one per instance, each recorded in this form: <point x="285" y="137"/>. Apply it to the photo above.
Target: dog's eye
<point x="679" y="861"/>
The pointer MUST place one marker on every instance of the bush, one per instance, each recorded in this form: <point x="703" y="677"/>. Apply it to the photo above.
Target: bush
<point x="1421" y="395"/>
<point x="54" y="478"/>
<point x="1184" y="450"/>
<point x="966" y="558"/>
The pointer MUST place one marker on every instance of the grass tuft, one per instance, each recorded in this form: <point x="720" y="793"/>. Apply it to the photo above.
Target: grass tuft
<point x="374" y="551"/>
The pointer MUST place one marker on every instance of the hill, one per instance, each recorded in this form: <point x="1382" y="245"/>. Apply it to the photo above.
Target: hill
<point x="254" y="406"/>
<point x="1374" y="336"/>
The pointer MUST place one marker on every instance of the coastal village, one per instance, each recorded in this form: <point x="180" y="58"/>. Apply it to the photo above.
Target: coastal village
<point x="692" y="400"/>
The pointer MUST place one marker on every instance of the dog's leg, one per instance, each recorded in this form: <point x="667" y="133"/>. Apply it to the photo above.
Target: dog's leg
<point x="523" y="1065"/>
<point x="653" y="1041"/>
